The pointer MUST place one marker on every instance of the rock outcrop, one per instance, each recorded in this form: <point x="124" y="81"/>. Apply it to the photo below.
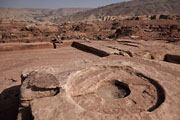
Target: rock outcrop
<point x="38" y="85"/>
<point x="134" y="28"/>
<point x="141" y="27"/>
<point x="115" y="88"/>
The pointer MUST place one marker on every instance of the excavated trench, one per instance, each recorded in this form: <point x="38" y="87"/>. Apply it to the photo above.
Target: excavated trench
<point x="90" y="49"/>
<point x="30" y="46"/>
<point x="172" y="58"/>
<point x="25" y="47"/>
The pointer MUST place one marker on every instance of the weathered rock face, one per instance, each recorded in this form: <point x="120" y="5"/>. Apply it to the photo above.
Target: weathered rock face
<point x="115" y="88"/>
<point x="38" y="85"/>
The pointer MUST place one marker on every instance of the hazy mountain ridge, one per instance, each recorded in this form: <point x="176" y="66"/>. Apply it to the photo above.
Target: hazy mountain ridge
<point x="35" y="14"/>
<point x="130" y="8"/>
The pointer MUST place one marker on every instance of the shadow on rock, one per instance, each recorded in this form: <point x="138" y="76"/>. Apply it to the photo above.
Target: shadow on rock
<point x="9" y="103"/>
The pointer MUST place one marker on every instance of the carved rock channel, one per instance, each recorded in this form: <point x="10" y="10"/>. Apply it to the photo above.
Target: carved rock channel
<point x="115" y="90"/>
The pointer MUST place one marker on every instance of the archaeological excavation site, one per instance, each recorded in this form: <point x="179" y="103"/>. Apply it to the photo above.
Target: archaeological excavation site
<point x="116" y="62"/>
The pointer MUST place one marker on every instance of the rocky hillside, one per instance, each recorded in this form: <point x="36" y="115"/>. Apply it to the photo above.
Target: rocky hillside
<point x="159" y="27"/>
<point x="38" y="15"/>
<point x="130" y="8"/>
<point x="149" y="29"/>
<point x="21" y="31"/>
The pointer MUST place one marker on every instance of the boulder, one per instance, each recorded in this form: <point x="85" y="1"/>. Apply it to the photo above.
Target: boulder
<point x="38" y="85"/>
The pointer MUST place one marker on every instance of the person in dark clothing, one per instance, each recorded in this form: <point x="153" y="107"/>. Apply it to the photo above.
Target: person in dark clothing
<point x="54" y="41"/>
<point x="54" y="45"/>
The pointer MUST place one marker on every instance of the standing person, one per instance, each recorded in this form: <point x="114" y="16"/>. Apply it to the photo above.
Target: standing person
<point x="54" y="41"/>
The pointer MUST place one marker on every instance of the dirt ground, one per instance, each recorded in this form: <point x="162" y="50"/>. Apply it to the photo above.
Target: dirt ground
<point x="14" y="62"/>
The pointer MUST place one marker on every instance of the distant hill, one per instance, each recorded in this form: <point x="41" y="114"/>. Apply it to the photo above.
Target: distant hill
<point x="38" y="15"/>
<point x="130" y="8"/>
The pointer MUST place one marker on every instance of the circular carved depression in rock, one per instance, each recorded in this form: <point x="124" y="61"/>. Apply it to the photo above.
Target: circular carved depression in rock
<point x="114" y="90"/>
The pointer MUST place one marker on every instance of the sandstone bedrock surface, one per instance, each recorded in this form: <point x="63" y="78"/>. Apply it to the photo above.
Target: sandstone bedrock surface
<point x="111" y="89"/>
<point x="136" y="83"/>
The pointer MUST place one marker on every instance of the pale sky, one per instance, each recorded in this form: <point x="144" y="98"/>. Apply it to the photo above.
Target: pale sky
<point x="56" y="3"/>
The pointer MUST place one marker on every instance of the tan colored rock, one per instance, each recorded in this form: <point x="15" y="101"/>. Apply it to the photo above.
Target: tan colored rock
<point x="115" y="89"/>
<point x="93" y="87"/>
<point x="155" y="50"/>
<point x="37" y="85"/>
